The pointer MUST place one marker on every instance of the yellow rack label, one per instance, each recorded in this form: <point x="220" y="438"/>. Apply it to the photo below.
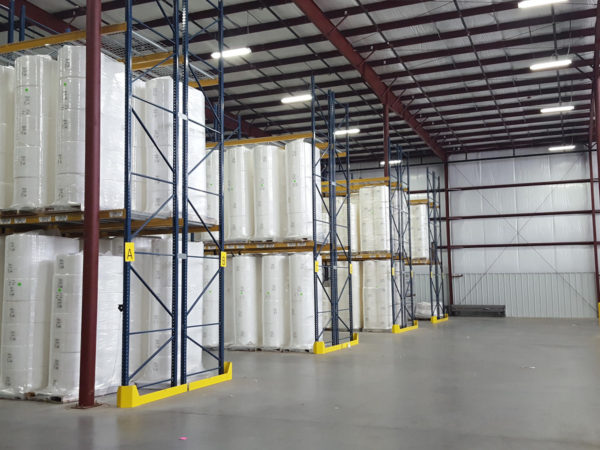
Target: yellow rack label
<point x="350" y="268"/>
<point x="393" y="271"/>
<point x="129" y="252"/>
<point x="223" y="259"/>
<point x="316" y="266"/>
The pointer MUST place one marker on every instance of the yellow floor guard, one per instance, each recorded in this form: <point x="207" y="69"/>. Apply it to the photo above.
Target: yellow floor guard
<point x="434" y="319"/>
<point x="397" y="330"/>
<point x="129" y="397"/>
<point x="320" y="349"/>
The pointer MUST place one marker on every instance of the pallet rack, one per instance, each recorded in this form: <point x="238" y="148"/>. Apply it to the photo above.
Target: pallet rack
<point x="439" y="311"/>
<point x="325" y="162"/>
<point x="184" y="71"/>
<point x="403" y="310"/>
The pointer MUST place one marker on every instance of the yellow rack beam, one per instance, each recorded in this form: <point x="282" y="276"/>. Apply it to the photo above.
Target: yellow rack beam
<point x="58" y="39"/>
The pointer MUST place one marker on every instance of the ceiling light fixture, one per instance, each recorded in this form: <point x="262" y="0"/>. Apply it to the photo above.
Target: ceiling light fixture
<point x="393" y="162"/>
<point x="534" y="3"/>
<point x="561" y="148"/>
<point x="348" y="131"/>
<point x="297" y="98"/>
<point x="557" y="64"/>
<point x="231" y="53"/>
<point x="557" y="109"/>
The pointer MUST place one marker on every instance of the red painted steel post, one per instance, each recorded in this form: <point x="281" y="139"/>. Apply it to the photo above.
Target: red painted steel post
<point x="448" y="240"/>
<point x="595" y="243"/>
<point x="91" y="223"/>
<point x="386" y="141"/>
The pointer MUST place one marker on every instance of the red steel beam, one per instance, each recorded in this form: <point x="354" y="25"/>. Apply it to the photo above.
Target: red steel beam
<point x="371" y="78"/>
<point x="91" y="220"/>
<point x="516" y="244"/>
<point x="386" y="141"/>
<point x="40" y="16"/>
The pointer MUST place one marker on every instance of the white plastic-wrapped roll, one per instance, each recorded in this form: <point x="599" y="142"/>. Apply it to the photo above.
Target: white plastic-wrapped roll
<point x="355" y="223"/>
<point x="275" y="301"/>
<point x="356" y="295"/>
<point x="1" y="278"/>
<point x="26" y="309"/>
<point x="246" y="273"/>
<point x="369" y="294"/>
<point x="267" y="217"/>
<point x="212" y="186"/>
<point x="159" y="123"/>
<point x="138" y="157"/>
<point x="197" y="164"/>
<point x="377" y="295"/>
<point x="35" y="128"/>
<point x="210" y="304"/>
<point x="381" y="218"/>
<point x="230" y="322"/>
<point x="71" y="60"/>
<point x="298" y="175"/>
<point x="342" y="222"/>
<point x="384" y="295"/>
<point x="419" y="232"/>
<point x="239" y="195"/>
<point x="344" y="289"/>
<point x="7" y="93"/>
<point x="195" y="315"/>
<point x="367" y="238"/>
<point x="302" y="326"/>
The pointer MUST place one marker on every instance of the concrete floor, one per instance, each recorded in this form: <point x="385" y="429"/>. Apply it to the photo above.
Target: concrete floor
<point x="466" y="384"/>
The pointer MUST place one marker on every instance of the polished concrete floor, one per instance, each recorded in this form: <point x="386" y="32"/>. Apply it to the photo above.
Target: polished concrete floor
<point x="466" y="384"/>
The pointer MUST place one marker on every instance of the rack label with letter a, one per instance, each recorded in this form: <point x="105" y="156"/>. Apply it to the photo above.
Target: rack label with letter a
<point x="223" y="259"/>
<point x="129" y="252"/>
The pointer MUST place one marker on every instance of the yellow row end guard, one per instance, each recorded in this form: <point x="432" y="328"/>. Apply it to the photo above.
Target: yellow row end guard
<point x="434" y="319"/>
<point x="129" y="397"/>
<point x="397" y="330"/>
<point x="320" y="349"/>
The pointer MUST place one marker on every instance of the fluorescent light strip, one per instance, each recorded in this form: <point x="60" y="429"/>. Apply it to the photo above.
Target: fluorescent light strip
<point x="557" y="109"/>
<point x="231" y="53"/>
<point x="393" y="162"/>
<point x="348" y="131"/>
<point x="534" y="3"/>
<point x="561" y="148"/>
<point x="297" y="98"/>
<point x="557" y="64"/>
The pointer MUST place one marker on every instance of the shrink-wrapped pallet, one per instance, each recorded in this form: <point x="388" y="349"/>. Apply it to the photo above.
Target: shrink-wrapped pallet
<point x="28" y="270"/>
<point x="239" y="194"/>
<point x="419" y="232"/>
<point x="7" y="94"/>
<point x="267" y="192"/>
<point x="246" y="294"/>
<point x="302" y="325"/>
<point x="275" y="301"/>
<point x="229" y="322"/>
<point x="377" y="295"/>
<point x="65" y="332"/>
<point x="69" y="163"/>
<point x="34" y="131"/>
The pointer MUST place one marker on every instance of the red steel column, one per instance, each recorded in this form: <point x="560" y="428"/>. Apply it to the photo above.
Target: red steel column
<point x="91" y="222"/>
<point x="448" y="241"/>
<point x="386" y="140"/>
<point x="595" y="244"/>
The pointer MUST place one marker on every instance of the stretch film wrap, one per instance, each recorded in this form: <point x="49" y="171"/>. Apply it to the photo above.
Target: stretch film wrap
<point x="419" y="231"/>
<point x="275" y="301"/>
<point x="35" y="101"/>
<point x="267" y="192"/>
<point x="302" y="325"/>
<point x="28" y="269"/>
<point x="377" y="295"/>
<point x="239" y="194"/>
<point x="298" y="176"/>
<point x="246" y="278"/>
<point x="7" y="94"/>
<point x="65" y="327"/>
